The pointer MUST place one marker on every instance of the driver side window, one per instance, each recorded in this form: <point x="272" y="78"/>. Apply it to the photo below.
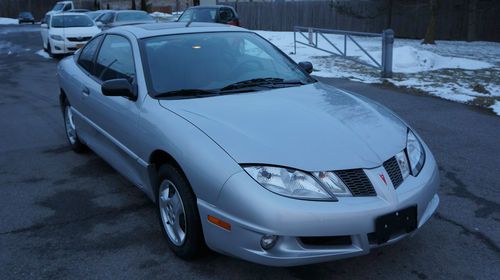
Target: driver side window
<point x="115" y="59"/>
<point x="86" y="58"/>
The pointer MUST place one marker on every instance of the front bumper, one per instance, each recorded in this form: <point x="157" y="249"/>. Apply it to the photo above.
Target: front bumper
<point x="253" y="212"/>
<point x="65" y="47"/>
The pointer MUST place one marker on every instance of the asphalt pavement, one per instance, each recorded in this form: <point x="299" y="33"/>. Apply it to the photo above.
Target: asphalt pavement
<point x="67" y="215"/>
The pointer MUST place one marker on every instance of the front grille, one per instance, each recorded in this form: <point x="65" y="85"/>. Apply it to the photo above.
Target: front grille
<point x="79" y="39"/>
<point x="357" y="182"/>
<point x="392" y="167"/>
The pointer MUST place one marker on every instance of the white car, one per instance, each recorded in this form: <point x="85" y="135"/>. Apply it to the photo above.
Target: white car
<point x="67" y="32"/>
<point x="61" y="6"/>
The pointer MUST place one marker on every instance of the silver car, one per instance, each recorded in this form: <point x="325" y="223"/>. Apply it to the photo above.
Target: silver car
<point x="241" y="149"/>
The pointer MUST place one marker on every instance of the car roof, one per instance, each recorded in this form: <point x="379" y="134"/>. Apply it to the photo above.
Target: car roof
<point x="211" y="6"/>
<point x="129" y="11"/>
<point x="69" y="14"/>
<point x="157" y="29"/>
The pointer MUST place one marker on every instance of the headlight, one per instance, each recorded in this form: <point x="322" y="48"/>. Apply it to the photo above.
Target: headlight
<point x="288" y="182"/>
<point x="57" y="37"/>
<point x="415" y="151"/>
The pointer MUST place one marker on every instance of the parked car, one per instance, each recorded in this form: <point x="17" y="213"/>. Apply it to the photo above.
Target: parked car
<point x="78" y="11"/>
<point x="123" y="17"/>
<point x="217" y="13"/>
<point x="247" y="154"/>
<point x="67" y="32"/>
<point x="95" y="14"/>
<point x="26" y="17"/>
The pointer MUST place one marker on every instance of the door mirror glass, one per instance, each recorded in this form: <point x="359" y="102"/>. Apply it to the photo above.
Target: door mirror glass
<point x="118" y="87"/>
<point x="306" y="66"/>
<point x="44" y="25"/>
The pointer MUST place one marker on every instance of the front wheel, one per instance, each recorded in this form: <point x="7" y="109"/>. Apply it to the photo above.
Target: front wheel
<point x="70" y="129"/>
<point x="178" y="214"/>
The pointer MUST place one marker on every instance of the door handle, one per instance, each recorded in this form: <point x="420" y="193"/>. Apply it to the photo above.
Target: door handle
<point x="85" y="91"/>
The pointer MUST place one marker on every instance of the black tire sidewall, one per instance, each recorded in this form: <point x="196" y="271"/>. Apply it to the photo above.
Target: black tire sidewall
<point x="194" y="244"/>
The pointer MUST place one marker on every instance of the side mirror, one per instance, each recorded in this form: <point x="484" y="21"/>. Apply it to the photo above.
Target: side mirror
<point x="119" y="87"/>
<point x="44" y="25"/>
<point x="99" y="24"/>
<point x="306" y="66"/>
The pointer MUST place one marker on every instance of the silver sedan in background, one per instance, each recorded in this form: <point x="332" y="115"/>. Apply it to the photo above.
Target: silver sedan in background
<point x="241" y="149"/>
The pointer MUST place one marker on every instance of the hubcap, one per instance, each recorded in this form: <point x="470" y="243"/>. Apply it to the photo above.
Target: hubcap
<point x="70" y="125"/>
<point x="172" y="213"/>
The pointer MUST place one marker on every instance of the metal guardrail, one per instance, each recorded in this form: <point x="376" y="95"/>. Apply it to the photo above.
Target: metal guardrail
<point x="385" y="65"/>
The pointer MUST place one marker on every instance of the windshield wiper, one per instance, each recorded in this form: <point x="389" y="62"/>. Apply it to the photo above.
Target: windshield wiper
<point x="266" y="82"/>
<point x="188" y="93"/>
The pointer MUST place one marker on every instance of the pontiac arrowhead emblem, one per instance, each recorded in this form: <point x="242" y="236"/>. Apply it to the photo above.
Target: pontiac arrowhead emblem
<point x="383" y="178"/>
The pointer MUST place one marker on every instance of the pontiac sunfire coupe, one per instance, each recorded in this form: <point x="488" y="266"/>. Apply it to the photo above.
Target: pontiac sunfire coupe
<point x="241" y="149"/>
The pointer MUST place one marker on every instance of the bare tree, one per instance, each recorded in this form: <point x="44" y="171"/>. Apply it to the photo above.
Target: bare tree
<point x="107" y="6"/>
<point x="133" y="5"/>
<point x="430" y="35"/>
<point x="144" y="5"/>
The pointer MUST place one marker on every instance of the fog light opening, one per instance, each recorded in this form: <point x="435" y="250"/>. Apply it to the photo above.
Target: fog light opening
<point x="268" y="241"/>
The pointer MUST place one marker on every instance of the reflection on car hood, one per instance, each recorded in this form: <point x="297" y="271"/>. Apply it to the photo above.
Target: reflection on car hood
<point x="313" y="127"/>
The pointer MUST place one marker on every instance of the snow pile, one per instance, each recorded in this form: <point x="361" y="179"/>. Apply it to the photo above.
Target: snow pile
<point x="4" y="21"/>
<point x="43" y="54"/>
<point x="160" y="15"/>
<point x="453" y="70"/>
<point x="408" y="59"/>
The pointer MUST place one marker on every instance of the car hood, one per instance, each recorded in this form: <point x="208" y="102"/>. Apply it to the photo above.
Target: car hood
<point x="314" y="127"/>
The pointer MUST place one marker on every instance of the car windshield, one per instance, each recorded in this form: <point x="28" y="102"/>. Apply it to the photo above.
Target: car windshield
<point x="94" y="15"/>
<point x="25" y="14"/>
<point x="133" y="16"/>
<point x="71" y="21"/>
<point x="199" y="15"/>
<point x="216" y="61"/>
<point x="58" y="7"/>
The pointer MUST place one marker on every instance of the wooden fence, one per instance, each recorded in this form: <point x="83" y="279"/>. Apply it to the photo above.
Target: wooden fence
<point x="456" y="19"/>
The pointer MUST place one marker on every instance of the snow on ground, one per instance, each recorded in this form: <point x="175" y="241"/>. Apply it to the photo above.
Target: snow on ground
<point x="454" y="70"/>
<point x="4" y="21"/>
<point x="43" y="54"/>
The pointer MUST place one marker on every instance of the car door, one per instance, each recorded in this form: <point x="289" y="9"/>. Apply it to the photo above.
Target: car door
<point x="44" y="30"/>
<point x="114" y="118"/>
<point x="78" y="85"/>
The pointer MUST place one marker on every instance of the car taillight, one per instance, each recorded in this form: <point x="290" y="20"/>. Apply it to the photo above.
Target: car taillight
<point x="234" y="22"/>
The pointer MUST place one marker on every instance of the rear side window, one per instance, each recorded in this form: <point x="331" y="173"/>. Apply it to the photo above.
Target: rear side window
<point x="199" y="15"/>
<point x="86" y="58"/>
<point x="115" y="59"/>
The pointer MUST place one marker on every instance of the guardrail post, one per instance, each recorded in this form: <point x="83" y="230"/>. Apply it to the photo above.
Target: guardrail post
<point x="294" y="41"/>
<point x="310" y="36"/>
<point x="387" y="46"/>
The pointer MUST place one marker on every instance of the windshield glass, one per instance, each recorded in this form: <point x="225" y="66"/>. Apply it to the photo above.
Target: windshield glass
<point x="133" y="16"/>
<point x="94" y="15"/>
<point x="199" y="15"/>
<point x="26" y="14"/>
<point x="58" y="7"/>
<point x="71" y="21"/>
<point x="213" y="61"/>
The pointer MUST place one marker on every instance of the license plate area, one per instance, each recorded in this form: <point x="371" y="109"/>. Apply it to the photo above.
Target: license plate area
<point x="393" y="224"/>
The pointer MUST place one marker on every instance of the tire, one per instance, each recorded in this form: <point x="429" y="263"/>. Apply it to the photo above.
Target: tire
<point x="173" y="183"/>
<point x="70" y="130"/>
<point x="49" y="50"/>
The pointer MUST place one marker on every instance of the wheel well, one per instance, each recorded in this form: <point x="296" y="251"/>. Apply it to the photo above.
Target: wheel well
<point x="160" y="157"/>
<point x="62" y="98"/>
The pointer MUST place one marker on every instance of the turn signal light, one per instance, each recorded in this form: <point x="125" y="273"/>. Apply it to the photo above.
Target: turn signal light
<point x="219" y="222"/>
